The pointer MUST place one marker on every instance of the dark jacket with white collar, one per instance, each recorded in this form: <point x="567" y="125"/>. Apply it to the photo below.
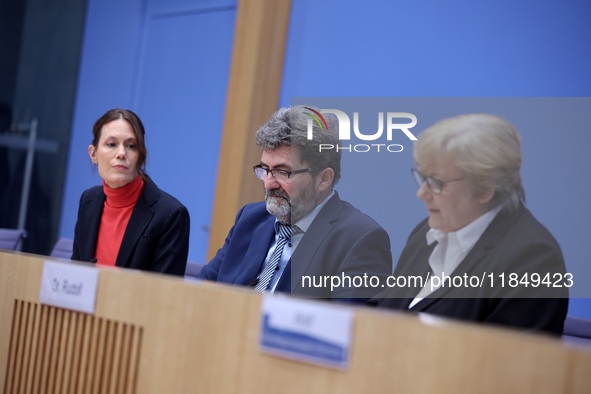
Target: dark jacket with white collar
<point x="514" y="245"/>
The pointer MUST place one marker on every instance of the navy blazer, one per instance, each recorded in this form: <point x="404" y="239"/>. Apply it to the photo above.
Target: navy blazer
<point x="156" y="238"/>
<point x="340" y="241"/>
<point x="513" y="243"/>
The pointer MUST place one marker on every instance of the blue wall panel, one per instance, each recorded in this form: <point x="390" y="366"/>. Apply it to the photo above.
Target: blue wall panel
<point x="181" y="94"/>
<point x="458" y="48"/>
<point x="169" y="62"/>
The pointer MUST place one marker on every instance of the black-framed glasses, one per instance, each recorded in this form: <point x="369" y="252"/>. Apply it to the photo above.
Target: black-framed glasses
<point x="434" y="185"/>
<point x="279" y="175"/>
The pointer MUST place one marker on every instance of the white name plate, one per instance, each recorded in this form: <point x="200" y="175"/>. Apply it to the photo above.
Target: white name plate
<point x="69" y="286"/>
<point x="306" y="331"/>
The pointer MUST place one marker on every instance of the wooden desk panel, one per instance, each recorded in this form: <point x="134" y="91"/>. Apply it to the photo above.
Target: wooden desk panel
<point x="155" y="334"/>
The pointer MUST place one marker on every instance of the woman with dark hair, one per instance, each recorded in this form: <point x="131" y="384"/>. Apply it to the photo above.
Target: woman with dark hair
<point x="128" y="221"/>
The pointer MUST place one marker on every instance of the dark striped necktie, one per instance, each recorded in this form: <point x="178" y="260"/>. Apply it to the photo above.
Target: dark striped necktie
<point x="284" y="231"/>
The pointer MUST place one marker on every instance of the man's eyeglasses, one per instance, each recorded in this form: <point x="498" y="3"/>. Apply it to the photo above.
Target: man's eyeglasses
<point x="434" y="185"/>
<point x="279" y="175"/>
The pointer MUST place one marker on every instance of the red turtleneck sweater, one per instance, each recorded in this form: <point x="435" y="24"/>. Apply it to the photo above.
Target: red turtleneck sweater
<point x="116" y="213"/>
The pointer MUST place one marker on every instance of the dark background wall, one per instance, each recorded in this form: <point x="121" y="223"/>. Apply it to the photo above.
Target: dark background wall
<point x="12" y="14"/>
<point x="41" y="50"/>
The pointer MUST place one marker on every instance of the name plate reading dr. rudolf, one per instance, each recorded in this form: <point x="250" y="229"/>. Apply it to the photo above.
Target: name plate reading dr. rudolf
<point x="69" y="286"/>
<point x="306" y="331"/>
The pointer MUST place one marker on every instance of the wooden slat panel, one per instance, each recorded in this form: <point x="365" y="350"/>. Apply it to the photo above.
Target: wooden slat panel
<point x="116" y="358"/>
<point x="91" y="369"/>
<point x="35" y="347"/>
<point x="76" y="353"/>
<point x="15" y="329"/>
<point x="83" y="375"/>
<point x="20" y="347"/>
<point x="54" y="352"/>
<point x="136" y="346"/>
<point x="124" y="359"/>
<point x="60" y="351"/>
<point x="39" y="345"/>
<point x="100" y="359"/>
<point x="69" y="351"/>
<point x="51" y="312"/>
<point x="107" y="343"/>
<point x="27" y="368"/>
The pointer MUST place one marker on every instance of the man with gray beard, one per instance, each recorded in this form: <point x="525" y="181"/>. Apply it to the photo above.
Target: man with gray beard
<point x="303" y="239"/>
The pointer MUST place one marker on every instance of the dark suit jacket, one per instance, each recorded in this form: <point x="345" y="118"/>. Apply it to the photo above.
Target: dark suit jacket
<point x="156" y="238"/>
<point x="513" y="243"/>
<point x="340" y="241"/>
